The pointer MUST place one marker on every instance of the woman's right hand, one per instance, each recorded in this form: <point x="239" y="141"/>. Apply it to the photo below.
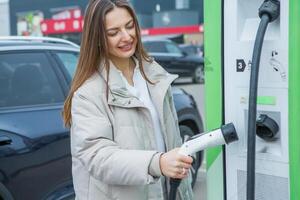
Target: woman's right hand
<point x="174" y="165"/>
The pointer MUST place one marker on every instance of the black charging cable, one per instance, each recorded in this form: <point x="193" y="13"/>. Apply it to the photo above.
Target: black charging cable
<point x="268" y="12"/>
<point x="174" y="183"/>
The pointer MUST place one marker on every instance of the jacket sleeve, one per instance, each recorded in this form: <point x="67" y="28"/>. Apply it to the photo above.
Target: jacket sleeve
<point x="91" y="143"/>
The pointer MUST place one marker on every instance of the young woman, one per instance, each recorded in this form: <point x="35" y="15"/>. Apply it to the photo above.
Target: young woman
<point x="124" y="128"/>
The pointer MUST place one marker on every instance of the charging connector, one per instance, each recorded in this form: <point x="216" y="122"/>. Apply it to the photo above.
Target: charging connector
<point x="270" y="8"/>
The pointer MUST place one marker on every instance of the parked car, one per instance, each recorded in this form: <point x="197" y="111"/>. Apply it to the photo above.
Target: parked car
<point x="168" y="54"/>
<point x="35" y="160"/>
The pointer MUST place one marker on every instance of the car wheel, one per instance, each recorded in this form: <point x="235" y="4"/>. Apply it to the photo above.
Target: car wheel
<point x="186" y="132"/>
<point x="198" y="76"/>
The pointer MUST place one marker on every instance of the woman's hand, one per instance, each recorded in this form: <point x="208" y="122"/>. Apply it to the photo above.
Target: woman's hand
<point x="174" y="165"/>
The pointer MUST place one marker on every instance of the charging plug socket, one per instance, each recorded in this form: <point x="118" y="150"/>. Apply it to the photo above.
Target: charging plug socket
<point x="266" y="127"/>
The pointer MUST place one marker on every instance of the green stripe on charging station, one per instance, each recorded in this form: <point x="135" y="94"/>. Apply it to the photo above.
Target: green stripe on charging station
<point x="213" y="63"/>
<point x="266" y="100"/>
<point x="294" y="98"/>
<point x="213" y="94"/>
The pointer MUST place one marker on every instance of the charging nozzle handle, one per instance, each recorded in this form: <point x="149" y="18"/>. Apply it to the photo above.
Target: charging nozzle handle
<point x="224" y="135"/>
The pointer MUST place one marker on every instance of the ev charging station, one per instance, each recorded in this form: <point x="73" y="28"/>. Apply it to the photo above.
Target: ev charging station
<point x="231" y="28"/>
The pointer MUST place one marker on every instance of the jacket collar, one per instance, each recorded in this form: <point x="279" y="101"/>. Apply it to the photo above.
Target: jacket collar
<point x="119" y="95"/>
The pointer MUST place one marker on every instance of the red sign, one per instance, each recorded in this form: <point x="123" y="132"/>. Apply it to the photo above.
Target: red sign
<point x="59" y="26"/>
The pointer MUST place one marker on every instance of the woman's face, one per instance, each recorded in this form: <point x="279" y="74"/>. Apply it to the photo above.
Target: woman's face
<point x="121" y="33"/>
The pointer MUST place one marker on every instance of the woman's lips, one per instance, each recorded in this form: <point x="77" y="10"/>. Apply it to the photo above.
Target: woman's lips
<point x="126" y="47"/>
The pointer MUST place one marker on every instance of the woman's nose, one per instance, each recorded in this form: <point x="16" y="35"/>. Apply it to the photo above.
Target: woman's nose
<point x="125" y="35"/>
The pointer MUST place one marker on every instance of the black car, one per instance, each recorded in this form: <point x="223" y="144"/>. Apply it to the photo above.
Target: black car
<point x="35" y="160"/>
<point x="168" y="54"/>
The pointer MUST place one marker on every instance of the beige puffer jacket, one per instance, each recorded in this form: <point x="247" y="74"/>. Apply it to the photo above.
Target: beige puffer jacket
<point x="113" y="143"/>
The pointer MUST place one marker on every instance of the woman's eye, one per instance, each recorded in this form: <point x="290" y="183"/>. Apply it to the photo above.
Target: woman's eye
<point x="130" y="26"/>
<point x="112" y="33"/>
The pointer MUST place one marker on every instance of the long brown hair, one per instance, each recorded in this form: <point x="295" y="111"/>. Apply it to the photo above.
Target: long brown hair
<point x="94" y="47"/>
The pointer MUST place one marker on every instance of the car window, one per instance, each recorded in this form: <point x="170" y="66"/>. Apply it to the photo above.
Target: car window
<point x="27" y="79"/>
<point x="189" y="50"/>
<point x="162" y="47"/>
<point x="172" y="48"/>
<point x="155" y="47"/>
<point x="69" y="59"/>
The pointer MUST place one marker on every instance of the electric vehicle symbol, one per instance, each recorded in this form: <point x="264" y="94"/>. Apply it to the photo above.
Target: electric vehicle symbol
<point x="277" y="66"/>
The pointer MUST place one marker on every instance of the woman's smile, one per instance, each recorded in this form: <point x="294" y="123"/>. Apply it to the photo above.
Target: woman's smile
<point x="126" y="47"/>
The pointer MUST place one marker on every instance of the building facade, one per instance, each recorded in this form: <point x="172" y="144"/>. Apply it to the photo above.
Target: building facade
<point x="64" y="19"/>
<point x="4" y="18"/>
